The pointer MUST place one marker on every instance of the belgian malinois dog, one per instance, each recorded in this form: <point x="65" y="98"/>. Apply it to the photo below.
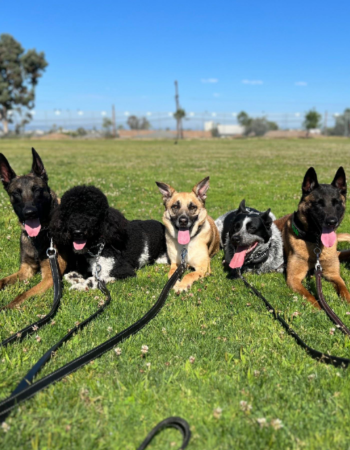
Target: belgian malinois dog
<point x="187" y="224"/>
<point x="320" y="212"/>
<point x="33" y="202"/>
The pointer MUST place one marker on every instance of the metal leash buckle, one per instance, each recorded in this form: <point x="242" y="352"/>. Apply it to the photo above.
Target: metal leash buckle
<point x="51" y="251"/>
<point x="317" y="252"/>
<point x="183" y="255"/>
<point x="97" y="272"/>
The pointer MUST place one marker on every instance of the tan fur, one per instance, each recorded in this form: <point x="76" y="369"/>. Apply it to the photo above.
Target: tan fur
<point x="301" y="258"/>
<point x="26" y="272"/>
<point x="29" y="267"/>
<point x="202" y="246"/>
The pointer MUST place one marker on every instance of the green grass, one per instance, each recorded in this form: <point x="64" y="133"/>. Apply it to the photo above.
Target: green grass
<point x="241" y="353"/>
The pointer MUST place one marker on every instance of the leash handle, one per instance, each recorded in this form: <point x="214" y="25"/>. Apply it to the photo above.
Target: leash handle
<point x="171" y="422"/>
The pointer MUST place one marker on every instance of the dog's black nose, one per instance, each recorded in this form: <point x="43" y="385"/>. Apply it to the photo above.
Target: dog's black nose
<point x="183" y="221"/>
<point x="236" y="239"/>
<point x="30" y="212"/>
<point x="331" y="222"/>
<point x="77" y="234"/>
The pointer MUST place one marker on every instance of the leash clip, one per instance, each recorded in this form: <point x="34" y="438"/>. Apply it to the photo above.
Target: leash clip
<point x="317" y="252"/>
<point x="51" y="251"/>
<point x="183" y="255"/>
<point x="97" y="272"/>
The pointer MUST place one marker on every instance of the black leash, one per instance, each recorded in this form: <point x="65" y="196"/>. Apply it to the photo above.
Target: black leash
<point x="323" y="357"/>
<point x="20" y="335"/>
<point x="26" y="390"/>
<point x="171" y="422"/>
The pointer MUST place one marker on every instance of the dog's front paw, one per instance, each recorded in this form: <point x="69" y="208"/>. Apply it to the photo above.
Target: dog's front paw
<point x="73" y="277"/>
<point x="84" y="285"/>
<point x="181" y="286"/>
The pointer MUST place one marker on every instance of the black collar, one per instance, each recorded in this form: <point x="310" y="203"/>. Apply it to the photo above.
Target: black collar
<point x="300" y="233"/>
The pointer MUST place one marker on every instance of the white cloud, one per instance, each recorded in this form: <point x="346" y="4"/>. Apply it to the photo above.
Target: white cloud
<point x="300" y="83"/>
<point x="209" y="80"/>
<point x="253" y="82"/>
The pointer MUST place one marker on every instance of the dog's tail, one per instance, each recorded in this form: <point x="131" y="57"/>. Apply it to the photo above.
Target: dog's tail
<point x="344" y="255"/>
<point x="343" y="237"/>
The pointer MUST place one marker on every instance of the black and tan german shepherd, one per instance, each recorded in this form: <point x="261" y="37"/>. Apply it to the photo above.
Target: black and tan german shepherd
<point x="320" y="212"/>
<point x="33" y="202"/>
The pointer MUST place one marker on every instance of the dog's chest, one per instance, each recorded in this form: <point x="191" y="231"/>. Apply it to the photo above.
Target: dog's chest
<point x="106" y="263"/>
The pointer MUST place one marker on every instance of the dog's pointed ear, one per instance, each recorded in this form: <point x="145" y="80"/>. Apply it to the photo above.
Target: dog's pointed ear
<point x="266" y="218"/>
<point x="166" y="190"/>
<point x="201" y="188"/>
<point x="38" y="168"/>
<point x="7" y="174"/>
<point x="340" y="181"/>
<point x="310" y="181"/>
<point x="242" y="208"/>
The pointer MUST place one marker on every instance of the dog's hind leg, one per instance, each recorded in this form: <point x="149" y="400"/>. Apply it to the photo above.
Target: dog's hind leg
<point x="296" y="272"/>
<point x="123" y="271"/>
<point x="25" y="272"/>
<point x="43" y="286"/>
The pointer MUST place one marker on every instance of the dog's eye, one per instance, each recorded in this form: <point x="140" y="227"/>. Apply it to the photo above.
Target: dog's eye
<point x="321" y="202"/>
<point x="193" y="208"/>
<point x="17" y="194"/>
<point x="335" y="202"/>
<point x="250" y="228"/>
<point x="36" y="190"/>
<point x="175" y="208"/>
<point x="237" y="226"/>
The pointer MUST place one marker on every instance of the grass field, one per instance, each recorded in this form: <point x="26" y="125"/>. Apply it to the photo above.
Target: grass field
<point x="241" y="353"/>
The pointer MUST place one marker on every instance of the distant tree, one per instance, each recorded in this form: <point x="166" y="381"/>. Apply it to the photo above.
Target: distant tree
<point x="106" y="125"/>
<point x="179" y="114"/>
<point x="244" y="119"/>
<point x="136" y="123"/>
<point x="19" y="75"/>
<point x="257" y="126"/>
<point x="144" y="124"/>
<point x="81" y="131"/>
<point x="342" y="125"/>
<point x="133" y="122"/>
<point x="312" y="120"/>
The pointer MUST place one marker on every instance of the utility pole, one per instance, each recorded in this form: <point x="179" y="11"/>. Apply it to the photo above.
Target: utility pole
<point x="179" y="131"/>
<point x="114" y="129"/>
<point x="325" y="123"/>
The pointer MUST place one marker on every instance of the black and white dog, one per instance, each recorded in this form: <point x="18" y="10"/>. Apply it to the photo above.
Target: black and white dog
<point x="251" y="240"/>
<point x="92" y="233"/>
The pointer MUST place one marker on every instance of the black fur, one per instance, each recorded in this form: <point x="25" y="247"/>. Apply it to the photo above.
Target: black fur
<point x="85" y="216"/>
<point x="245" y="227"/>
<point x="323" y="205"/>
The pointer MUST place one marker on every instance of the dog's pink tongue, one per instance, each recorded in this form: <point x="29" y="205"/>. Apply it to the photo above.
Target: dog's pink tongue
<point x="328" y="237"/>
<point x="183" y="237"/>
<point x="79" y="245"/>
<point x="32" y="227"/>
<point x="238" y="258"/>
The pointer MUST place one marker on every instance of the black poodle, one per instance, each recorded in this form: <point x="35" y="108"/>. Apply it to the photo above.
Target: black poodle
<point x="88" y="231"/>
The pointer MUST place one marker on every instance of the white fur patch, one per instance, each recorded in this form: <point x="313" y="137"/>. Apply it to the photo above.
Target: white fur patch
<point x="106" y="264"/>
<point x="144" y="258"/>
<point x="78" y="283"/>
<point x="163" y="259"/>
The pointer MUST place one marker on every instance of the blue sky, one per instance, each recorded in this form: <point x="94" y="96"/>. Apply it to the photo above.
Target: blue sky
<point x="227" y="55"/>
